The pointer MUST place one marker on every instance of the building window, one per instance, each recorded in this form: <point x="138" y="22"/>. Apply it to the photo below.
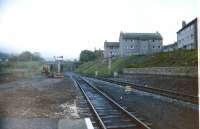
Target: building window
<point x="153" y="46"/>
<point x="132" y="47"/>
<point x="153" y="40"/>
<point x="158" y="46"/>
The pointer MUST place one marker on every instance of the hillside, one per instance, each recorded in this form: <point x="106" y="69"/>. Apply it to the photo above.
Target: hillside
<point x="163" y="59"/>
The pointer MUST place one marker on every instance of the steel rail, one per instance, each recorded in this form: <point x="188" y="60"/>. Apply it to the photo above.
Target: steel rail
<point x="91" y="105"/>
<point x="167" y="93"/>
<point x="140" y="124"/>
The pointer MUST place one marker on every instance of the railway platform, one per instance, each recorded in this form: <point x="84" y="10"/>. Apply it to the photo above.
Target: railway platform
<point x="44" y="123"/>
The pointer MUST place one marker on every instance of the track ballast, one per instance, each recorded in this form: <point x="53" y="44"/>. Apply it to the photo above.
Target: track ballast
<point x="110" y="114"/>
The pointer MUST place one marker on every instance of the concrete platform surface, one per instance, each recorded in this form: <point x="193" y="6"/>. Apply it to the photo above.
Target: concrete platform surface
<point x="42" y="123"/>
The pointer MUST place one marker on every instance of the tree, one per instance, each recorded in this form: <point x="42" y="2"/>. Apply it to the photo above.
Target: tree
<point x="36" y="56"/>
<point x="87" y="55"/>
<point x="98" y="53"/>
<point x="28" y="56"/>
<point x="12" y="60"/>
<point x="25" y="56"/>
<point x="3" y="63"/>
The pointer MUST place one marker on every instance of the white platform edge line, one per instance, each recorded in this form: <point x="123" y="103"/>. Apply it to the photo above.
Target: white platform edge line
<point x="88" y="123"/>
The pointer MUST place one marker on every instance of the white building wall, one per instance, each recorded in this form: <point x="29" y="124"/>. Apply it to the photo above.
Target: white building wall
<point x="186" y="37"/>
<point x="108" y="52"/>
<point x="154" y="46"/>
<point x="198" y="31"/>
<point x="139" y="47"/>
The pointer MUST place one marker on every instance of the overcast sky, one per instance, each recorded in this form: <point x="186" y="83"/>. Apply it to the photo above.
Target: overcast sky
<point x="65" y="27"/>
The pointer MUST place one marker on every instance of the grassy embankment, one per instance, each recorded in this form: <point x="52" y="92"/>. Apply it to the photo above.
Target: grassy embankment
<point x="163" y="59"/>
<point x="22" y="69"/>
<point x="27" y="69"/>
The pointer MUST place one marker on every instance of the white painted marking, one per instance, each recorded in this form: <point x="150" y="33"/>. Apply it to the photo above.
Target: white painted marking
<point x="88" y="123"/>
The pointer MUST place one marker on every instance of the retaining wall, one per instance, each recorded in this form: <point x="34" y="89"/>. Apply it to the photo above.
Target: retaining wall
<point x="171" y="71"/>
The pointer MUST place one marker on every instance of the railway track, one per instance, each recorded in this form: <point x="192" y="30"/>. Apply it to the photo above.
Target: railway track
<point x="167" y="93"/>
<point x="109" y="113"/>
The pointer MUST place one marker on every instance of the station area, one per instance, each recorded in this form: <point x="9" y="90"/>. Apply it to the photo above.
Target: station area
<point x="125" y="64"/>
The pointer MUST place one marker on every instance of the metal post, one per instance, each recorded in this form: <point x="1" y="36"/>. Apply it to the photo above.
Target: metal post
<point x="110" y="63"/>
<point x="58" y="67"/>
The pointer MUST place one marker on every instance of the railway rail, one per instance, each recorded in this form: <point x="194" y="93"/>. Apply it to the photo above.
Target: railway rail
<point x="109" y="113"/>
<point x="167" y="93"/>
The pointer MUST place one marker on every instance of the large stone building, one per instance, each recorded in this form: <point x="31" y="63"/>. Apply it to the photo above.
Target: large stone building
<point x="139" y="43"/>
<point x="111" y="49"/>
<point x="187" y="36"/>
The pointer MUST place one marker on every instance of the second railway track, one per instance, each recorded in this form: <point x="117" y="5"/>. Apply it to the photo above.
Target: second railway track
<point x="110" y="114"/>
<point x="167" y="93"/>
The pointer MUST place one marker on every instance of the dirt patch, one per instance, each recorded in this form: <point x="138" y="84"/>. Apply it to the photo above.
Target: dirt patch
<point x="51" y="98"/>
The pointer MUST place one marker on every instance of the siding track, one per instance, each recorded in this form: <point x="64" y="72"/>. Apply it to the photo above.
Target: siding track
<point x="167" y="93"/>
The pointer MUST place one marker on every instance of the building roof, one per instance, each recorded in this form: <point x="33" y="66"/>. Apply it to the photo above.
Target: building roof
<point x="111" y="44"/>
<point x="190" y="23"/>
<point x="143" y="36"/>
<point x="170" y="45"/>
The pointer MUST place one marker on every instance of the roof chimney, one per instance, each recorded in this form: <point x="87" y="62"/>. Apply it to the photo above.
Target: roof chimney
<point x="183" y="24"/>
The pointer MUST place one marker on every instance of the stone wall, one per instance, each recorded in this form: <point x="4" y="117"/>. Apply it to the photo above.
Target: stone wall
<point x="172" y="71"/>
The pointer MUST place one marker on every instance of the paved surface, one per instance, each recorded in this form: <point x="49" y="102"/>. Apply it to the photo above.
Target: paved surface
<point x="41" y="123"/>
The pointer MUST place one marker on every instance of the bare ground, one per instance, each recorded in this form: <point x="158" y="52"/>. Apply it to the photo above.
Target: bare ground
<point x="40" y="97"/>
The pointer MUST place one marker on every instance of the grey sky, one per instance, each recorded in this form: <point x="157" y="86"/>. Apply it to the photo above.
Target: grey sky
<point x="65" y="27"/>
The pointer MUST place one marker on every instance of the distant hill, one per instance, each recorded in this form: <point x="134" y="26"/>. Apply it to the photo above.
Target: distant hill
<point x="163" y="59"/>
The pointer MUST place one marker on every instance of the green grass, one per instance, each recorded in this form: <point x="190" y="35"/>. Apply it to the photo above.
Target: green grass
<point x="101" y="66"/>
<point x="31" y="68"/>
<point x="167" y="59"/>
<point x="163" y="59"/>
<point x="28" y="64"/>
